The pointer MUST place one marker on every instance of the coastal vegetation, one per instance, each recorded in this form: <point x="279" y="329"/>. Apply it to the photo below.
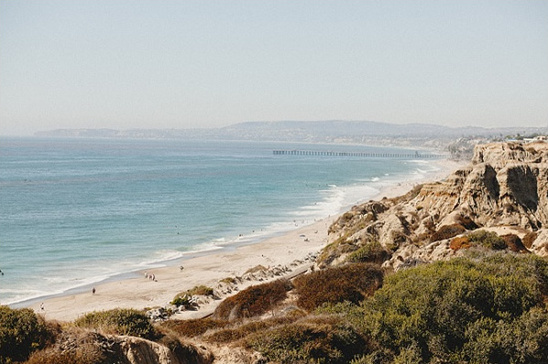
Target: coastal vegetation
<point x="461" y="311"/>
<point x="369" y="253"/>
<point x="253" y="301"/>
<point x="352" y="283"/>
<point x="486" y="308"/>
<point x="21" y="333"/>
<point x="119" y="322"/>
<point x="480" y="309"/>
<point x="185" y="299"/>
<point x="316" y="339"/>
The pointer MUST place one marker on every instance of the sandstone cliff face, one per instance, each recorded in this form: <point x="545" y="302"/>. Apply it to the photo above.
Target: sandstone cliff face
<point x="140" y="351"/>
<point x="504" y="189"/>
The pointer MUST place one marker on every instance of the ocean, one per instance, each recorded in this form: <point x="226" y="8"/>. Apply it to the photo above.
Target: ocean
<point x="74" y="212"/>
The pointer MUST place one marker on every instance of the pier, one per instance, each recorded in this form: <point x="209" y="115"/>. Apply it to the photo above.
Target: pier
<point x="415" y="155"/>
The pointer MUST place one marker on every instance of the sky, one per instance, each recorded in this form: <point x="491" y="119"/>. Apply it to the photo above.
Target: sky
<point x="126" y="64"/>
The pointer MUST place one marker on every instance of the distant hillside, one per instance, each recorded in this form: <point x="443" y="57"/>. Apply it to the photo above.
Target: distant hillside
<point x="362" y="130"/>
<point x="365" y="132"/>
<point x="341" y="128"/>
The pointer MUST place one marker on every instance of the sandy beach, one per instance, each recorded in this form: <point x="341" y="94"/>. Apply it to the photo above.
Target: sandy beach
<point x="290" y="252"/>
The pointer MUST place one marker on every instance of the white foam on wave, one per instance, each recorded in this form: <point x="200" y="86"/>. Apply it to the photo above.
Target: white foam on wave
<point x="422" y="170"/>
<point x="19" y="295"/>
<point x="161" y="256"/>
<point x="66" y="278"/>
<point x="206" y="247"/>
<point x="57" y="286"/>
<point x="332" y="199"/>
<point x="424" y="167"/>
<point x="338" y="198"/>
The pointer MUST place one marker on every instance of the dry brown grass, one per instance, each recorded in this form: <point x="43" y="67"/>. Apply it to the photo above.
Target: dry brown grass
<point x="86" y="354"/>
<point x="253" y="301"/>
<point x="239" y="331"/>
<point x="460" y="243"/>
<point x="191" y="328"/>
<point x="514" y="243"/>
<point x="467" y="222"/>
<point x="447" y="232"/>
<point x="352" y="282"/>
<point x="76" y="346"/>
<point x="529" y="239"/>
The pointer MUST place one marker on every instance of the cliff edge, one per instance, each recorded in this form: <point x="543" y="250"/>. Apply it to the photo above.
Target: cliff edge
<point x="499" y="201"/>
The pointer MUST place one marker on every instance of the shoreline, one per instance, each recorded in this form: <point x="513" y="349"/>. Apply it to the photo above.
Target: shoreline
<point x="288" y="250"/>
<point x="87" y="287"/>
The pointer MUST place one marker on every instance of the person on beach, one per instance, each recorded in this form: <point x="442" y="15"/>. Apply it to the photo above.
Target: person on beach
<point x="93" y="290"/>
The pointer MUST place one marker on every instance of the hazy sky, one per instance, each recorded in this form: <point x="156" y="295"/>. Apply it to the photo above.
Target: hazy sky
<point x="184" y="64"/>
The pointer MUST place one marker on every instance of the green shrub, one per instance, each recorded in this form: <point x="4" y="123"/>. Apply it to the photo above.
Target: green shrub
<point x="352" y="282"/>
<point x="487" y="239"/>
<point x="523" y="340"/>
<point x="185" y="298"/>
<point x="21" y="333"/>
<point x="339" y="308"/>
<point x="201" y="291"/>
<point x="312" y="340"/>
<point x="369" y="253"/>
<point x="380" y="356"/>
<point x="253" y="301"/>
<point x="120" y="322"/>
<point x="440" y="309"/>
<point x="229" y="280"/>
<point x="182" y="299"/>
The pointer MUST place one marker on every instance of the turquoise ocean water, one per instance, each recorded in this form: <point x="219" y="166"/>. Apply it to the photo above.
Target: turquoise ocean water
<point x="78" y="211"/>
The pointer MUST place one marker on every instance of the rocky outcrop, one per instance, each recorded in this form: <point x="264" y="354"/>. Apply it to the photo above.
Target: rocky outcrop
<point x="98" y="348"/>
<point x="505" y="186"/>
<point x="140" y="351"/>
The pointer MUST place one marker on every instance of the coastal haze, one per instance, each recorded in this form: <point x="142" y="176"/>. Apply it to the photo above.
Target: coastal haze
<point x="210" y="64"/>
<point x="332" y="131"/>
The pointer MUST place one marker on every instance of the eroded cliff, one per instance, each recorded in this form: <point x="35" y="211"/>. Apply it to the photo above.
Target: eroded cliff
<point x="504" y="190"/>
